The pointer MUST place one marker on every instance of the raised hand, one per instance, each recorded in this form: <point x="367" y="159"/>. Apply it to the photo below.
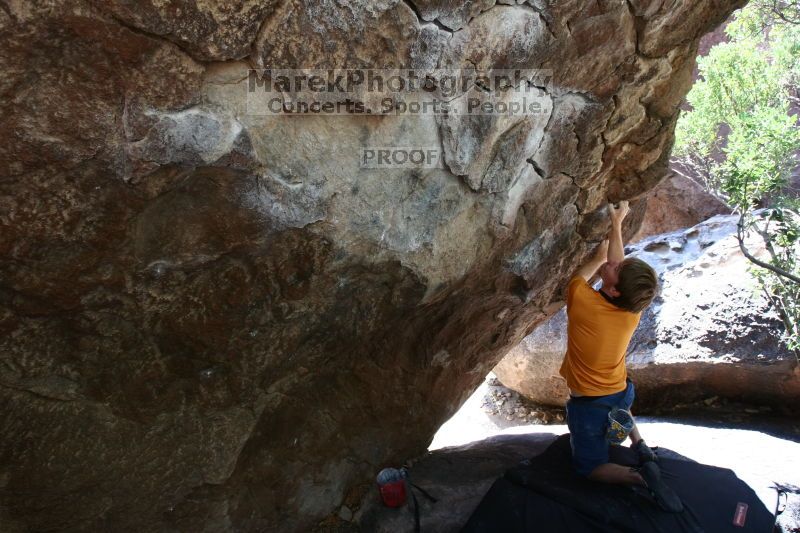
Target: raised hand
<point x="619" y="212"/>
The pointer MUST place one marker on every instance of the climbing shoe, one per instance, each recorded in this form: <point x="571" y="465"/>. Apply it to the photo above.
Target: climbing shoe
<point x="660" y="491"/>
<point x="644" y="452"/>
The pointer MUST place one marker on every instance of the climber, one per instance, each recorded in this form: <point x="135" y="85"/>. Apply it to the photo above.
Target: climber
<point x="599" y="327"/>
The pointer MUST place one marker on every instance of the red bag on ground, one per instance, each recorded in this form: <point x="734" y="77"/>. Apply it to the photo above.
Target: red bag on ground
<point x="392" y="486"/>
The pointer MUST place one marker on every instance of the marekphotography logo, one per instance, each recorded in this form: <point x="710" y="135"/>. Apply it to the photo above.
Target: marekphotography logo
<point x="400" y="157"/>
<point x="407" y="92"/>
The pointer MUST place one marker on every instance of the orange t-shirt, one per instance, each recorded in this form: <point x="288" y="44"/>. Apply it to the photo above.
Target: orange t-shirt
<point x="598" y="333"/>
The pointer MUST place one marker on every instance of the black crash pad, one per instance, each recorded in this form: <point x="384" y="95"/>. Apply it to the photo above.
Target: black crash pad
<point x="544" y="494"/>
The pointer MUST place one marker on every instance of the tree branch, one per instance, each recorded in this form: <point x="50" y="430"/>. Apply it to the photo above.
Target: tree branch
<point x="775" y="270"/>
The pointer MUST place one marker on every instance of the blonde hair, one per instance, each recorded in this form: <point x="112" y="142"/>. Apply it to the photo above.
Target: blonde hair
<point x="637" y="285"/>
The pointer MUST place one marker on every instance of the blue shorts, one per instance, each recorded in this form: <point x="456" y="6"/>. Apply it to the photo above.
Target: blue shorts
<point x="587" y="419"/>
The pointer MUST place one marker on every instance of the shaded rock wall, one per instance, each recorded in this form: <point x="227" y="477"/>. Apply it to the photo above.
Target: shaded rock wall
<point x="213" y="321"/>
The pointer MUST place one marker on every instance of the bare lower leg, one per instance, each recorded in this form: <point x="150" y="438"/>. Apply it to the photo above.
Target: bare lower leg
<point x="614" y="473"/>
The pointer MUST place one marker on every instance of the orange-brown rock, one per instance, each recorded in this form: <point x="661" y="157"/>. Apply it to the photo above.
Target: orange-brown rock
<point x="677" y="203"/>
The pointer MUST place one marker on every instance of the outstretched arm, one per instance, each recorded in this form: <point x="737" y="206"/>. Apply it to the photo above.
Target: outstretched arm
<point x="616" y="249"/>
<point x="588" y="270"/>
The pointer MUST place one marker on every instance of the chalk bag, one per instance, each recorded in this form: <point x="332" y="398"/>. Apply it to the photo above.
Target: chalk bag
<point x="620" y="425"/>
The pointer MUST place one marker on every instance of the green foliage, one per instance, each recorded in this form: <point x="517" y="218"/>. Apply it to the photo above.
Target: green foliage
<point x="748" y="89"/>
<point x="759" y="156"/>
<point x="780" y="229"/>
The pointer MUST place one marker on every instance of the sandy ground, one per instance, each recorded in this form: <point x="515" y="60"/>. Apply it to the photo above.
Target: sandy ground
<point x="761" y="460"/>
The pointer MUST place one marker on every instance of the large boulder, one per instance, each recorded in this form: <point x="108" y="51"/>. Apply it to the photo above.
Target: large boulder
<point x="219" y="321"/>
<point x="710" y="332"/>
<point x="677" y="203"/>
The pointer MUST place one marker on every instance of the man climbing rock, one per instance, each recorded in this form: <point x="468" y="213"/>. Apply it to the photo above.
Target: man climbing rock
<point x="599" y="328"/>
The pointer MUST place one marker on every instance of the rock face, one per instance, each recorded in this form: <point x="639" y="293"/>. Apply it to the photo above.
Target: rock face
<point x="677" y="203"/>
<point x="709" y="332"/>
<point x="215" y="321"/>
